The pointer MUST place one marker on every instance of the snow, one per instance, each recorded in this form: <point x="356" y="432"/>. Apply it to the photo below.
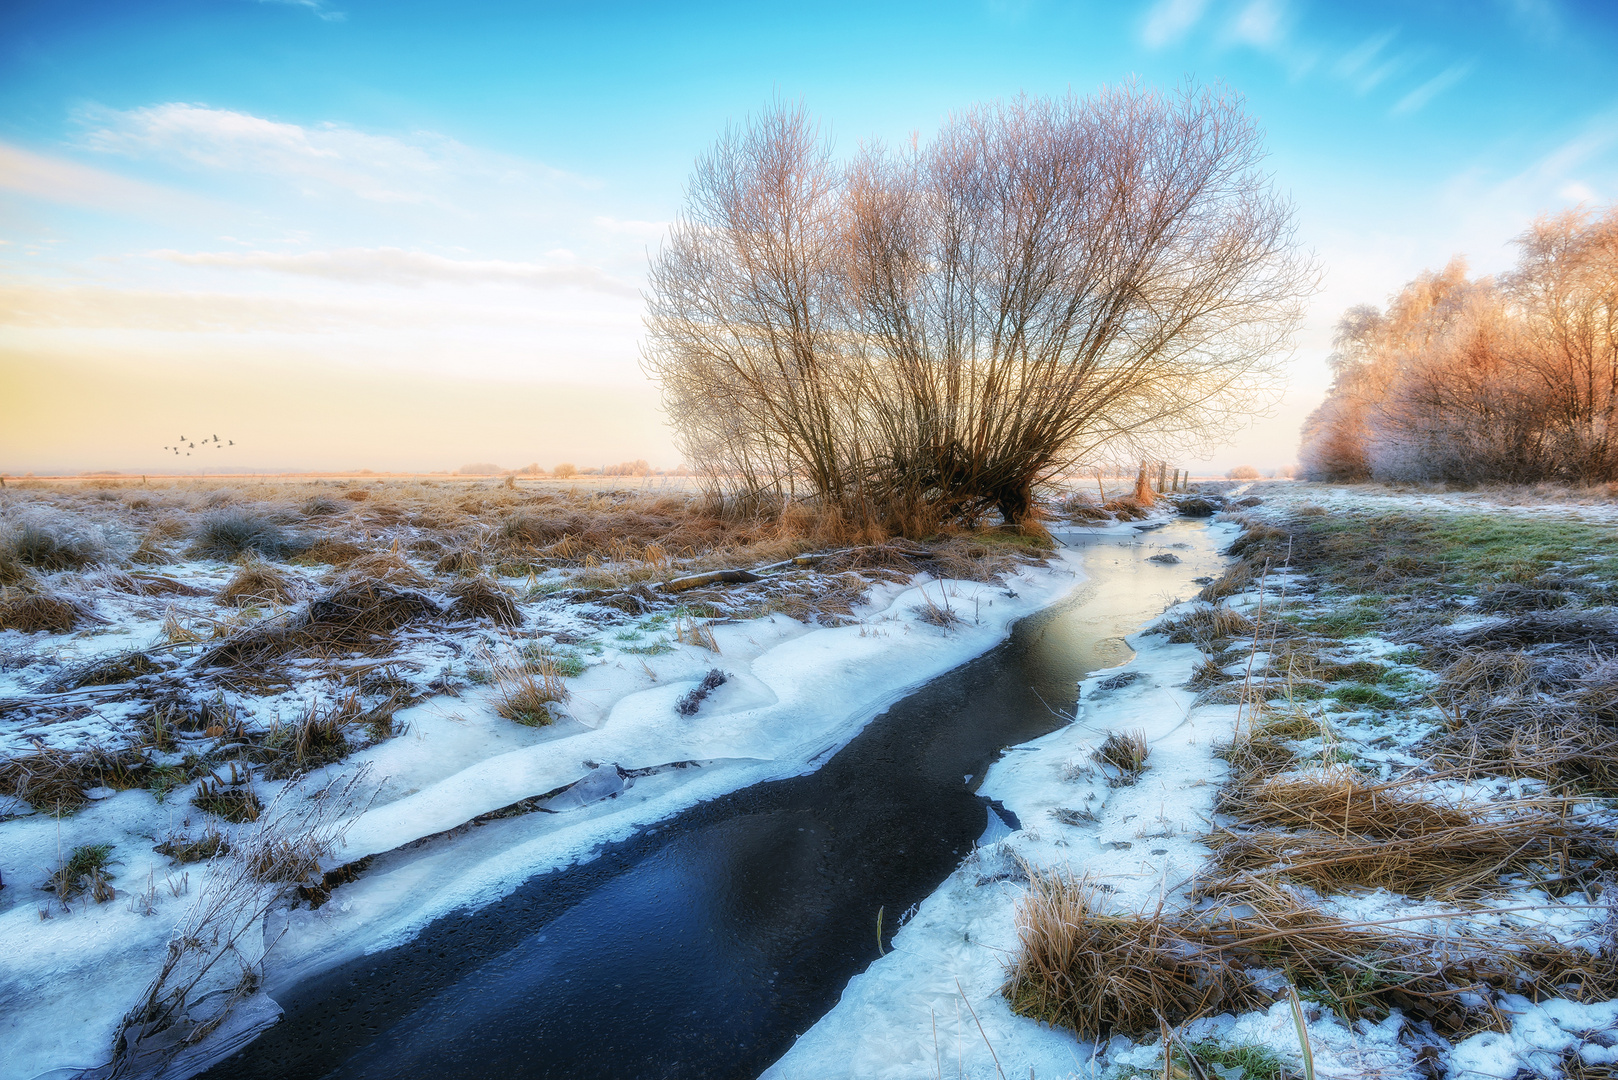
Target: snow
<point x="1539" y="1036"/>
<point x="935" y="998"/>
<point x="933" y="1004"/>
<point x="796" y="694"/>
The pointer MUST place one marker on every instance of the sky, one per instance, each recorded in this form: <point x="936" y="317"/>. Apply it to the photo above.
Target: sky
<point x="401" y="235"/>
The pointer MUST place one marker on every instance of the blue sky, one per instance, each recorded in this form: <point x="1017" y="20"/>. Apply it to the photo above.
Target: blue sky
<point x="202" y="199"/>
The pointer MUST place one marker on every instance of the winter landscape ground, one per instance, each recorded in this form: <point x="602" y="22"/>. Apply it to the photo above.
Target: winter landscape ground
<point x="252" y="732"/>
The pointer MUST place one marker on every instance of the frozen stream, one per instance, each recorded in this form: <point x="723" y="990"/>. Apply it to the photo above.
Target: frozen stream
<point x="704" y="947"/>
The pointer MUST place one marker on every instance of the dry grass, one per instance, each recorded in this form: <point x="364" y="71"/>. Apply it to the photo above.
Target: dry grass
<point x="525" y="693"/>
<point x="1126" y="752"/>
<point x="1237" y="578"/>
<point x="1462" y="860"/>
<point x="1563" y="748"/>
<point x="1512" y="711"/>
<point x="235" y="804"/>
<point x="85" y="870"/>
<point x="56" y="780"/>
<point x="1341" y="801"/>
<point x="938" y="614"/>
<point x="230" y="534"/>
<point x="51" y="546"/>
<point x="388" y="567"/>
<point x="34" y="613"/>
<point x="459" y="561"/>
<point x="215" y="956"/>
<point x="183" y="849"/>
<point x="332" y="551"/>
<point x="361" y="617"/>
<point x="257" y="582"/>
<point x="1210" y="627"/>
<point x="480" y="598"/>
<point x="1101" y="974"/>
<point x="691" y="701"/>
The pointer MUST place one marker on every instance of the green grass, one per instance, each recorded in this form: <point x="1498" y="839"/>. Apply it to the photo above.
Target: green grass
<point x="1353" y="621"/>
<point x="163" y="779"/>
<point x="628" y="635"/>
<point x="1359" y="694"/>
<point x="562" y="662"/>
<point x="87" y="861"/>
<point x="651" y="648"/>
<point x="1354" y="551"/>
<point x="1403" y="682"/>
<point x="1256" y="1062"/>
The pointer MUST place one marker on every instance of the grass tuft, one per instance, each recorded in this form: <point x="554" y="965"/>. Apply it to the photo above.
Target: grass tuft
<point x="34" y="613"/>
<point x="230" y="534"/>
<point x="85" y="870"/>
<point x="231" y="803"/>
<point x="1125" y="751"/>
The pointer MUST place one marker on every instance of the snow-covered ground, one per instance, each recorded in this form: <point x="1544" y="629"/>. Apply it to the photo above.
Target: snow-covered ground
<point x="933" y="1006"/>
<point x="796" y="693"/>
<point x="933" y="1003"/>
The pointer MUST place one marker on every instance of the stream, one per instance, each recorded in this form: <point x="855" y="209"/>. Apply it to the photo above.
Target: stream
<point x="705" y="946"/>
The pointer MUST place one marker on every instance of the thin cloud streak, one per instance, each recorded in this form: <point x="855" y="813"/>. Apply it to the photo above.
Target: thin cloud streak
<point x="1418" y="98"/>
<point x="98" y="307"/>
<point x="1170" y="21"/>
<point x="400" y="267"/>
<point x="68" y="183"/>
<point x="322" y="158"/>
<point x="317" y="7"/>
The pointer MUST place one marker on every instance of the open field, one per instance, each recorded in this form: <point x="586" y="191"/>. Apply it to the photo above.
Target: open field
<point x="227" y="701"/>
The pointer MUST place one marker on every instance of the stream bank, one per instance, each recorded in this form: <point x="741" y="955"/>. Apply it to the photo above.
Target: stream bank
<point x="703" y="947"/>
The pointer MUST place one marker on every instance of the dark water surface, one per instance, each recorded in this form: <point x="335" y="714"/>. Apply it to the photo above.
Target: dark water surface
<point x="704" y="947"/>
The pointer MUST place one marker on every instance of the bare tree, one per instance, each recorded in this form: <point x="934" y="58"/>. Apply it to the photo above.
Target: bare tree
<point x="941" y="327"/>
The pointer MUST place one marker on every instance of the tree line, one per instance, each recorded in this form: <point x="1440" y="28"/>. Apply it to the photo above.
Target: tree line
<point x="1466" y="380"/>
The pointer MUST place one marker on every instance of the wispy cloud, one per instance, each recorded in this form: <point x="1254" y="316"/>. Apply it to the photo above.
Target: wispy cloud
<point x="320" y="159"/>
<point x="1541" y="19"/>
<point x="646" y="230"/>
<point x="58" y="180"/>
<point x="1418" y="98"/>
<point x="1260" y="24"/>
<point x="319" y="8"/>
<point x="1169" y="21"/>
<point x="1367" y="65"/>
<point x="387" y="265"/>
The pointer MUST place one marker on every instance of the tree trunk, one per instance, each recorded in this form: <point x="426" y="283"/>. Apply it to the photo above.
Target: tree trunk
<point x="1016" y="504"/>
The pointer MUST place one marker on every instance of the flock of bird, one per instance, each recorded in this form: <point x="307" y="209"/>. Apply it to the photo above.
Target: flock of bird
<point x="187" y="447"/>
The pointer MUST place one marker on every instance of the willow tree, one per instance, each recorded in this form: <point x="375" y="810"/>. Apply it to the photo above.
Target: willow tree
<point x="945" y="325"/>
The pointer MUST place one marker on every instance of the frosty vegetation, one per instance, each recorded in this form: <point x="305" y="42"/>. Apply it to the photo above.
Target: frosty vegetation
<point x="188" y="669"/>
<point x="1464" y="380"/>
<point x="922" y="333"/>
